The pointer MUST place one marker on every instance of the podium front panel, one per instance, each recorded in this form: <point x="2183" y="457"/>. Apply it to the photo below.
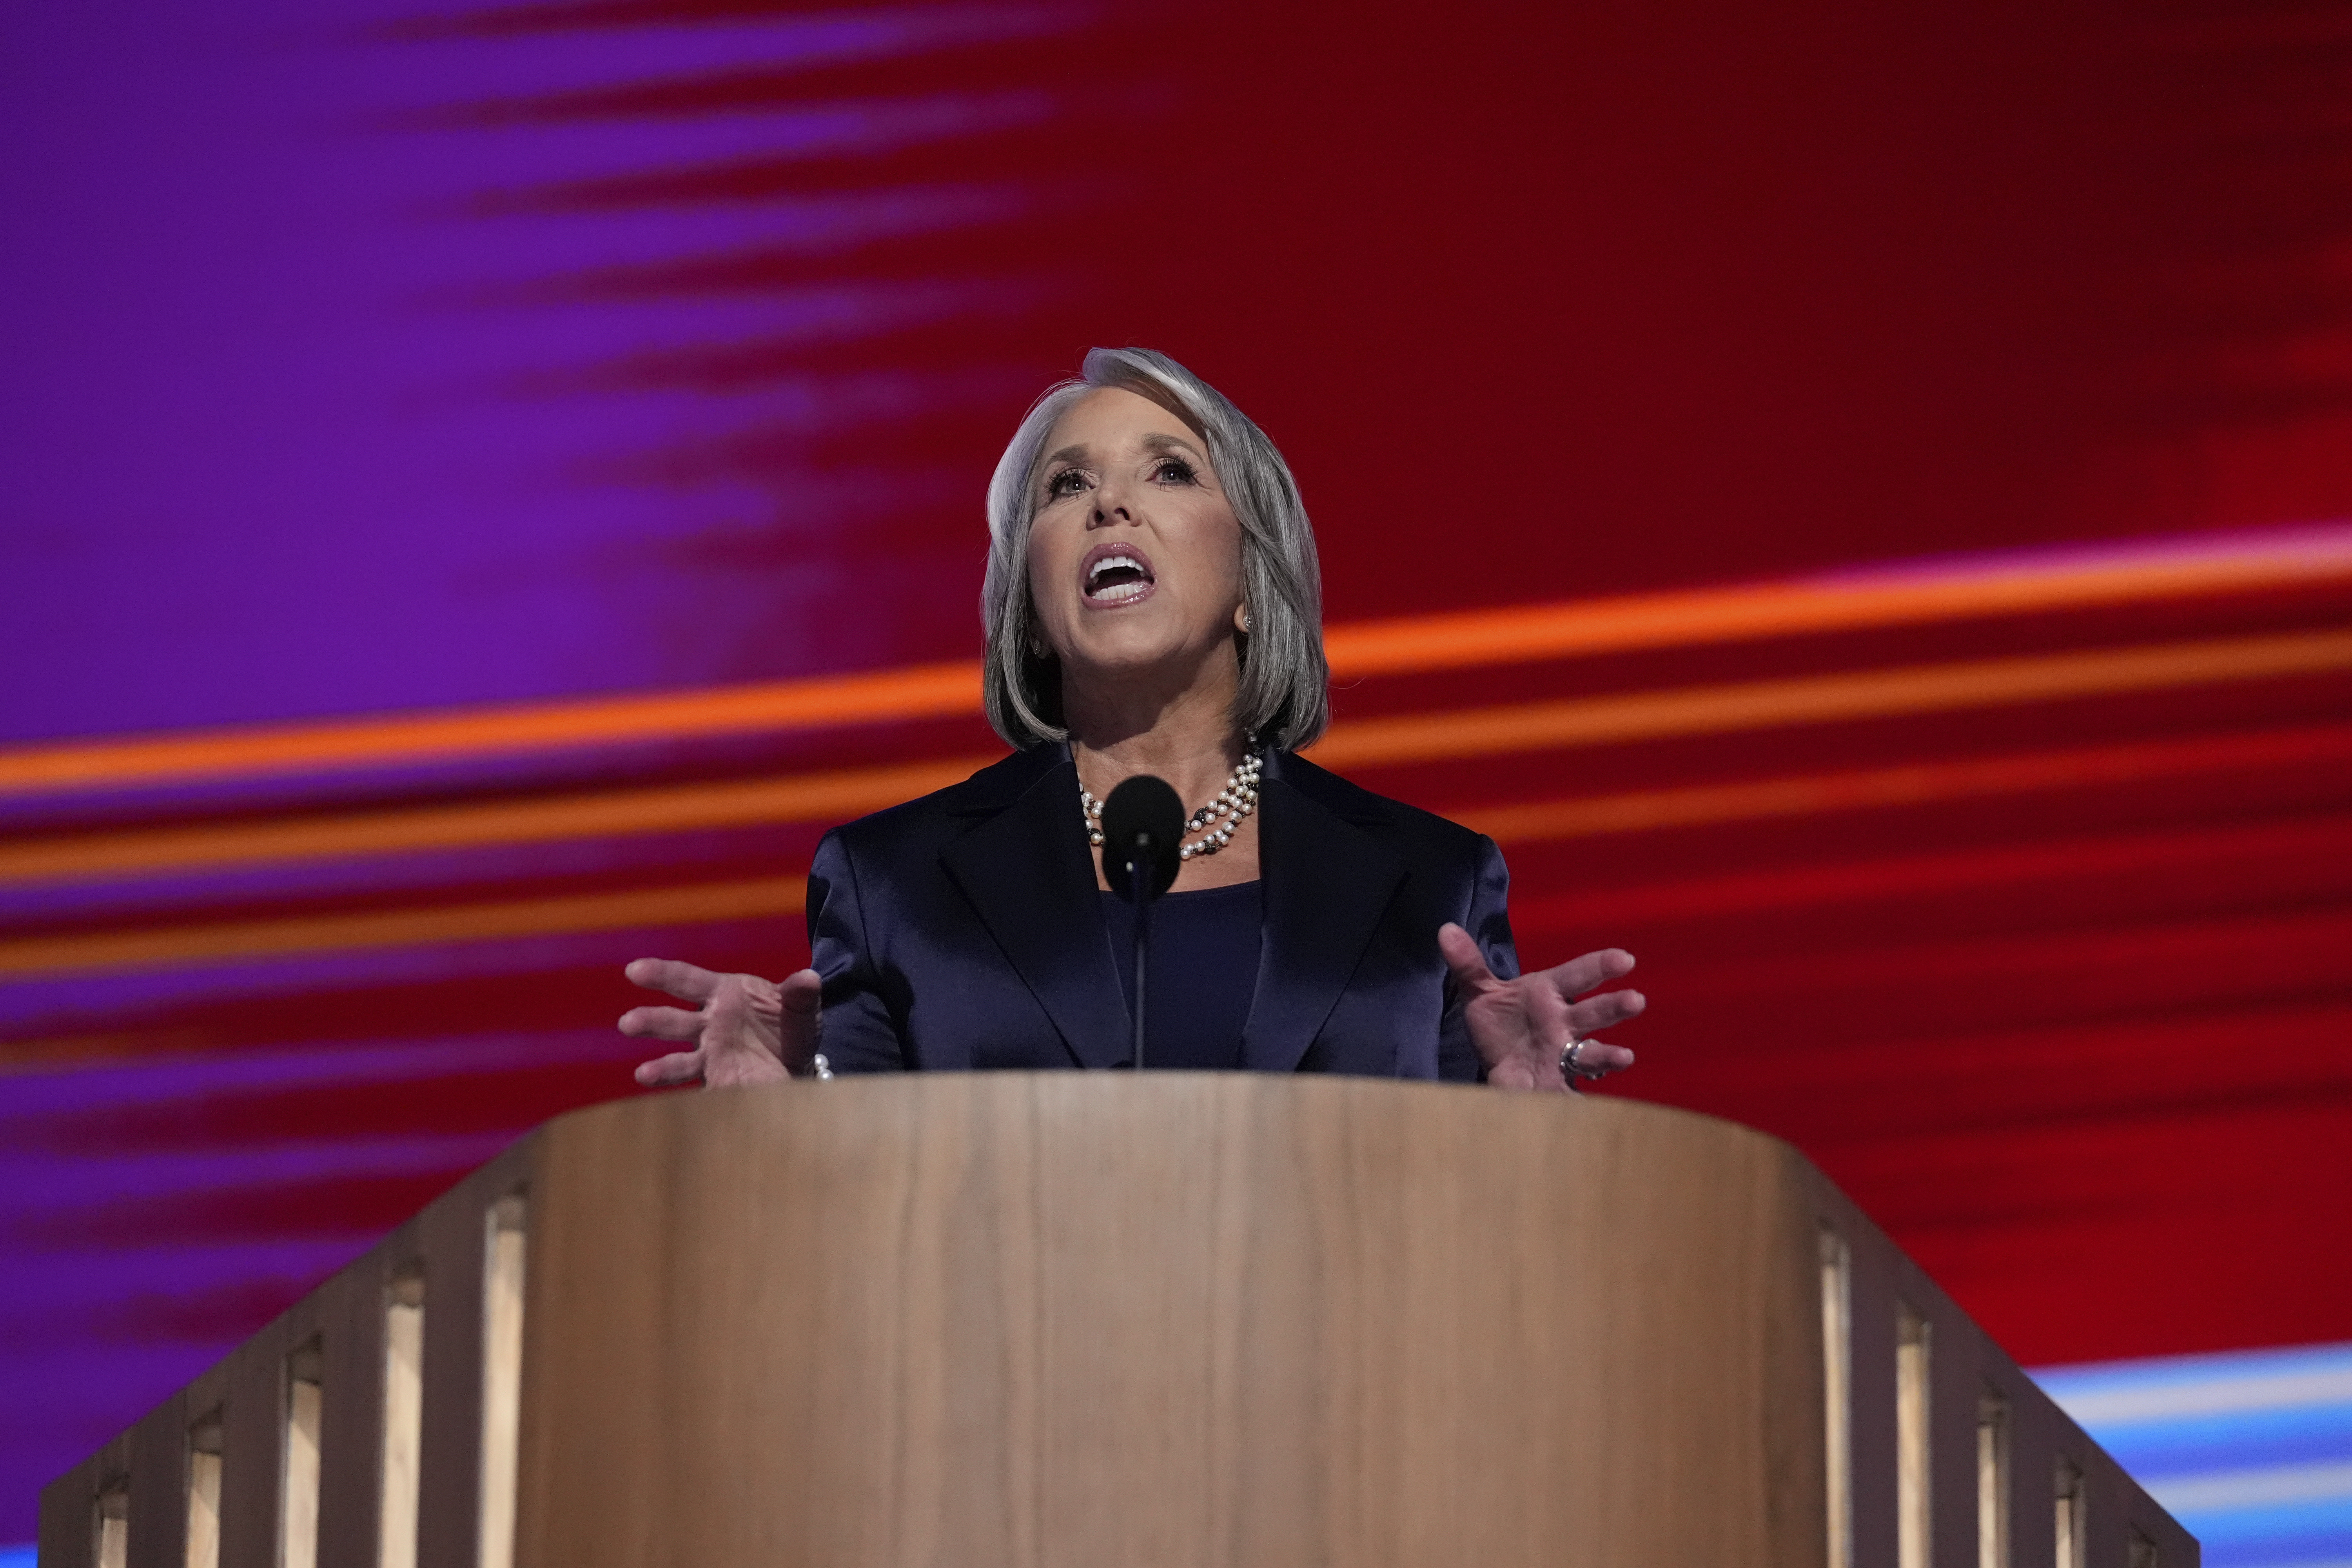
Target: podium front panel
<point x="1078" y="1318"/>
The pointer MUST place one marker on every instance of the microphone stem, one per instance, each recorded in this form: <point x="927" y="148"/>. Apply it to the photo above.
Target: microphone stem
<point x="1138" y="873"/>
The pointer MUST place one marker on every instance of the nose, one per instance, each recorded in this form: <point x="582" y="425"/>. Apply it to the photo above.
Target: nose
<point x="1110" y="504"/>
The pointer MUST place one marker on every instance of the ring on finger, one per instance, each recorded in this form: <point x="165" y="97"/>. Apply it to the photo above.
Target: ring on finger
<point x="1571" y="1060"/>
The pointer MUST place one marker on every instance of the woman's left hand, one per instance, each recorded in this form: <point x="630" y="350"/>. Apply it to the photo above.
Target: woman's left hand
<point x="1521" y="1027"/>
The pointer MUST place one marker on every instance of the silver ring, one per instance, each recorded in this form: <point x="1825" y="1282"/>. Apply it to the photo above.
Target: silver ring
<point x="1571" y="1067"/>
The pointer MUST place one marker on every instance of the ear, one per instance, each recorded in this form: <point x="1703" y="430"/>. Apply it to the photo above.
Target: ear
<point x="1242" y="619"/>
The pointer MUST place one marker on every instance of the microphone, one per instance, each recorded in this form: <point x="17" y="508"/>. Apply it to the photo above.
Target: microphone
<point x="1142" y="825"/>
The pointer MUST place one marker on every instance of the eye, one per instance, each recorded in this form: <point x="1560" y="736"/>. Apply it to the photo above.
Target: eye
<point x="1173" y="470"/>
<point x="1068" y="483"/>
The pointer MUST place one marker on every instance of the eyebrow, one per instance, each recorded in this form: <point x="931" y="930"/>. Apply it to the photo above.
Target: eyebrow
<point x="1151" y="442"/>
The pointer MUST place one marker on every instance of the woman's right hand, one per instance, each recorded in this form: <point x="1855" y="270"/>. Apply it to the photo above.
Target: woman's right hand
<point x="742" y="1029"/>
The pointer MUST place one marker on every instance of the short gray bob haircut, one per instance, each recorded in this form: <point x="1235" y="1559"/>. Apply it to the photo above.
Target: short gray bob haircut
<point x="1285" y="696"/>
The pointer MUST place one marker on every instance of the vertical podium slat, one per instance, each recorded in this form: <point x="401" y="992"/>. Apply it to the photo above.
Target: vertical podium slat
<point x="504" y="1237"/>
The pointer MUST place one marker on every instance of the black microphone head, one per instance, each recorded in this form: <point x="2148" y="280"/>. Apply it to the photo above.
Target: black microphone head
<point x="1143" y="820"/>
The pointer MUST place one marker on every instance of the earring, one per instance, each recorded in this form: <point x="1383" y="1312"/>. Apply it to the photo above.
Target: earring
<point x="1245" y="620"/>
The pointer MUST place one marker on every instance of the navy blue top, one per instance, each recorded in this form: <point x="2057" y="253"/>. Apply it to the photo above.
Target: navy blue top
<point x="963" y="931"/>
<point x="1204" y="948"/>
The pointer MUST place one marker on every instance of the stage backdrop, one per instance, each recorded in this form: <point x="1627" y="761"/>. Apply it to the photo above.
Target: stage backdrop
<point x="1852" y="499"/>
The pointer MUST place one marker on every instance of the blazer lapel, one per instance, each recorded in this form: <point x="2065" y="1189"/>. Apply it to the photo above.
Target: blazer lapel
<point x="1029" y="873"/>
<point x="1327" y="883"/>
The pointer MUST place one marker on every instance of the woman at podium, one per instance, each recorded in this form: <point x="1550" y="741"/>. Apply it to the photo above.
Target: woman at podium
<point x="1153" y="605"/>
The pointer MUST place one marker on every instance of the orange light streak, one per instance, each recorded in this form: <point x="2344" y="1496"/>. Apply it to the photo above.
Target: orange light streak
<point x="1412" y="738"/>
<point x="1827" y="699"/>
<point x="888" y="696"/>
<point x="233" y="942"/>
<point x="807" y="797"/>
<point x="2314" y="842"/>
<point x="1488" y="636"/>
<point x="1534" y="821"/>
<point x="1921" y="784"/>
<point x="1532" y="633"/>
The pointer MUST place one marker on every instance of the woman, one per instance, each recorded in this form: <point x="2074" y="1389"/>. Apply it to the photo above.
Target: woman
<point x="1153" y="605"/>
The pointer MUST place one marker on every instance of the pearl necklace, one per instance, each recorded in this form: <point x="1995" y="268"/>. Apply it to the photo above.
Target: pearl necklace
<point x="1235" y="801"/>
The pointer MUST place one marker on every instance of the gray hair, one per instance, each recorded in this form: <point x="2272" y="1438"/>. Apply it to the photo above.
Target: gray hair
<point x="1284" y="696"/>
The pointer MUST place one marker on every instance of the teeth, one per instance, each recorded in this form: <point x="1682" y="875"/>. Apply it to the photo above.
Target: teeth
<point x="1123" y="591"/>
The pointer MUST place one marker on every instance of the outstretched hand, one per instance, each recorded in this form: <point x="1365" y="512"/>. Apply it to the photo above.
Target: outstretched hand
<point x="742" y="1029"/>
<point x="1520" y="1027"/>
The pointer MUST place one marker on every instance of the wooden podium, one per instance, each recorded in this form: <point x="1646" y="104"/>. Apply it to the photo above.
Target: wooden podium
<point x="1087" y="1319"/>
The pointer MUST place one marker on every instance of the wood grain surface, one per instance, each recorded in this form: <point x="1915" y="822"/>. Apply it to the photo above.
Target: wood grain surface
<point x="1072" y="1319"/>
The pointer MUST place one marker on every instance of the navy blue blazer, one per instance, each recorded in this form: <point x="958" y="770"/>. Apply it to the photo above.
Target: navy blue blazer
<point x="962" y="930"/>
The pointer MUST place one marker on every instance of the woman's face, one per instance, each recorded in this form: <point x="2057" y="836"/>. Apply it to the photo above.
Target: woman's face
<point x="1135" y="556"/>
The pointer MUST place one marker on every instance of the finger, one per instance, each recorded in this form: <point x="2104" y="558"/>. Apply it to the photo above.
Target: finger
<point x="679" y="1067"/>
<point x="1606" y="1011"/>
<point x="662" y="1023"/>
<point x="799" y="1001"/>
<point x="1462" y="956"/>
<point x="1579" y="975"/>
<point x="802" y="992"/>
<point x="680" y="979"/>
<point x="1599" y="1058"/>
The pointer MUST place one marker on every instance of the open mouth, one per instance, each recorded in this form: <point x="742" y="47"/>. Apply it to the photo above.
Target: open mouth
<point x="1117" y="576"/>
